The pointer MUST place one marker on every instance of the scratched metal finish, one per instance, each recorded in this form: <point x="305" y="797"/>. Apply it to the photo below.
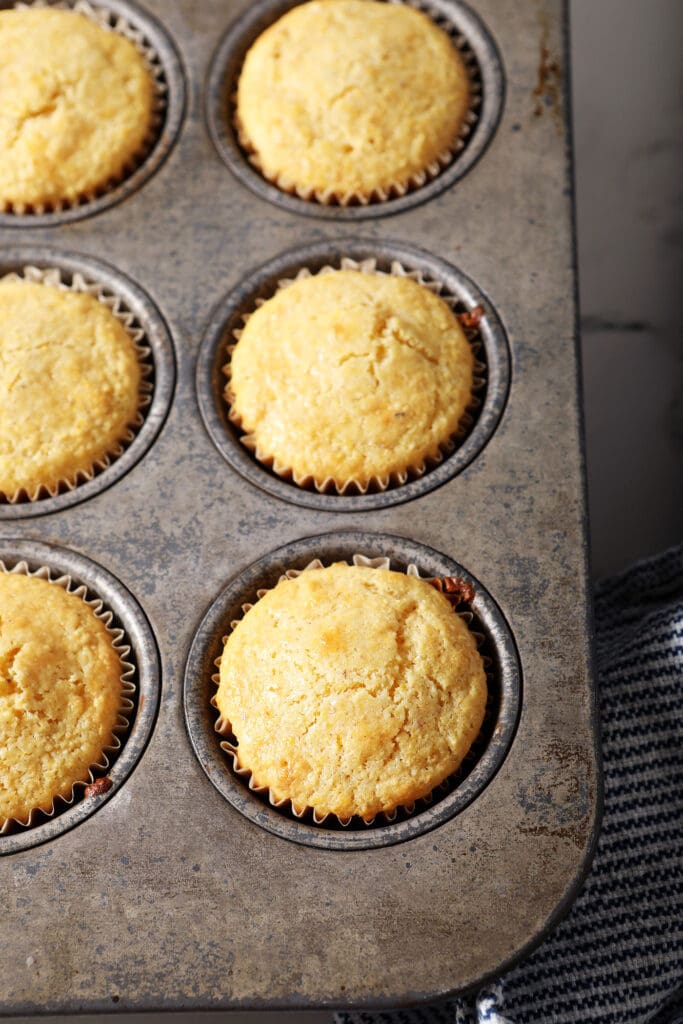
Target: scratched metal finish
<point x="168" y="896"/>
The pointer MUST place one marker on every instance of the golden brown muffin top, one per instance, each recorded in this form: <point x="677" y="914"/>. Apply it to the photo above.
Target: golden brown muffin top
<point x="69" y="385"/>
<point x="347" y="97"/>
<point x="350" y="376"/>
<point x="60" y="693"/>
<point x="75" y="106"/>
<point x="351" y="690"/>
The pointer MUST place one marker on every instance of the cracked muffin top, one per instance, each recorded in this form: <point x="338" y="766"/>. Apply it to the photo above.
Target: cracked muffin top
<point x="75" y="106"/>
<point x="351" y="98"/>
<point x="351" y="690"/>
<point x="69" y="386"/>
<point x="349" y="376"/>
<point x="60" y="693"/>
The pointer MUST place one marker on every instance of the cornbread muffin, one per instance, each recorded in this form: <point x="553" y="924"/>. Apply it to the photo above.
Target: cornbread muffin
<point x="350" y="376"/>
<point x="351" y="98"/>
<point x="69" y="385"/>
<point x="76" y="106"/>
<point x="60" y="693"/>
<point x="351" y="690"/>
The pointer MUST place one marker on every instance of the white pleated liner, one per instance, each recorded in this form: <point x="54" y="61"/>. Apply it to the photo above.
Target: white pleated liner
<point x="52" y="276"/>
<point x="112" y="22"/>
<point x="375" y="483"/>
<point x="330" y="197"/>
<point x="222" y="726"/>
<point x="122" y="647"/>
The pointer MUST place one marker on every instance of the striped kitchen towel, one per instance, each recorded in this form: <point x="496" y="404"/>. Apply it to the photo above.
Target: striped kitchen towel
<point x="617" y="958"/>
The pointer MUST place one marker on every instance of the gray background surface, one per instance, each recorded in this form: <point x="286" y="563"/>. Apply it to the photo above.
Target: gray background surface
<point x="627" y="113"/>
<point x="628" y="121"/>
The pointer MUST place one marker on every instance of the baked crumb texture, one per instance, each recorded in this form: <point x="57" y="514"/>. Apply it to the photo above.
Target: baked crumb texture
<point x="70" y="382"/>
<point x="60" y="694"/>
<point x="350" y="378"/>
<point x="351" y="690"/>
<point x="352" y="100"/>
<point x="76" y="107"/>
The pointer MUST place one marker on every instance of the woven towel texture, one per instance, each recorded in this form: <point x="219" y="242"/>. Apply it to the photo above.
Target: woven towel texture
<point x="617" y="958"/>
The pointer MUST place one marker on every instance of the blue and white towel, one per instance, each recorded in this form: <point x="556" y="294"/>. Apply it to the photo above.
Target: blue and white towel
<point x="618" y="956"/>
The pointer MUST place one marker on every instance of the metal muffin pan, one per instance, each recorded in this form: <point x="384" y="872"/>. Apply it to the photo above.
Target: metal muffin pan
<point x="496" y="733"/>
<point x="456" y="17"/>
<point x="173" y="79"/>
<point x="168" y="896"/>
<point x="263" y="283"/>
<point x="143" y="655"/>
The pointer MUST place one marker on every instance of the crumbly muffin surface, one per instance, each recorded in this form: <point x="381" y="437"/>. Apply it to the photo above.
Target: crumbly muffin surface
<point x="352" y="690"/>
<point x="69" y="385"/>
<point x="350" y="376"/>
<point x="351" y="96"/>
<point x="76" y="105"/>
<point x="60" y="692"/>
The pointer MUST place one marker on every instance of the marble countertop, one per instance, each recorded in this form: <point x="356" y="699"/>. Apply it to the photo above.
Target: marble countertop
<point x="628" y="137"/>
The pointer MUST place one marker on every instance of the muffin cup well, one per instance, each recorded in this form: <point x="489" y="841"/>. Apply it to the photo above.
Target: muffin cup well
<point x="487" y="89"/>
<point x="97" y="770"/>
<point x="285" y="805"/>
<point x="376" y="484"/>
<point x="476" y="773"/>
<point x="52" y="277"/>
<point x="396" y="189"/>
<point x="163" y="66"/>
<point x="261" y="282"/>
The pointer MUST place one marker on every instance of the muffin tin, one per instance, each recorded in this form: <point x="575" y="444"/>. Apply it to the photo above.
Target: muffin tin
<point x="183" y="890"/>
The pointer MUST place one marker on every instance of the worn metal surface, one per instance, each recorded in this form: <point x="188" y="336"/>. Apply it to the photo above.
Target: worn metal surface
<point x="168" y="896"/>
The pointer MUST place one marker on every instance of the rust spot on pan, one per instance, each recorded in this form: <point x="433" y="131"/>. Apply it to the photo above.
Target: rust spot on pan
<point x="547" y="93"/>
<point x="456" y="589"/>
<point x="558" y="799"/>
<point x="470" y="321"/>
<point x="98" y="787"/>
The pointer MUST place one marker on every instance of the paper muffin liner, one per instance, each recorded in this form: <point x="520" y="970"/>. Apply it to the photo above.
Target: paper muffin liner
<point x="469" y="321"/>
<point x="96" y="780"/>
<point x="460" y="593"/>
<point x="112" y="22"/>
<point x="52" y="276"/>
<point x="332" y="197"/>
